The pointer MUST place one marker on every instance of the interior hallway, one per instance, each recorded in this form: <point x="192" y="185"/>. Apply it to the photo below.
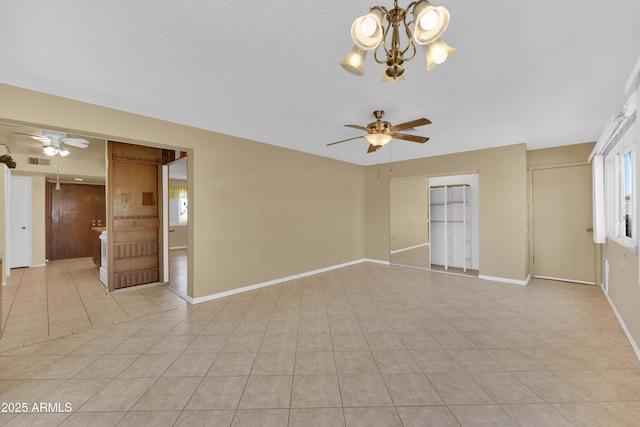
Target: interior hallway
<point x="367" y="345"/>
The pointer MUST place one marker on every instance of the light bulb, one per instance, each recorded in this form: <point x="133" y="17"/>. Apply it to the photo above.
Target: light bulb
<point x="368" y="26"/>
<point x="429" y="20"/>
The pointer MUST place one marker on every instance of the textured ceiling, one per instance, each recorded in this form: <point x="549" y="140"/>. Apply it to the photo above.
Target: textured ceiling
<point x="545" y="74"/>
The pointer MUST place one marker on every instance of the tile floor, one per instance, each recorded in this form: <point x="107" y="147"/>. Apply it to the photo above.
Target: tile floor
<point x="67" y="297"/>
<point x="366" y="345"/>
<point x="419" y="258"/>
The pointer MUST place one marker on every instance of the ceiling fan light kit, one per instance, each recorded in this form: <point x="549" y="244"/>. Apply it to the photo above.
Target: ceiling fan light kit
<point x="368" y="33"/>
<point x="381" y="132"/>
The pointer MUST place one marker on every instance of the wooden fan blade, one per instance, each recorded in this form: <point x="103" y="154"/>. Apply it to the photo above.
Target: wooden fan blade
<point x="411" y="124"/>
<point x="372" y="148"/>
<point x="412" y="138"/>
<point x="356" y="127"/>
<point x="345" y="140"/>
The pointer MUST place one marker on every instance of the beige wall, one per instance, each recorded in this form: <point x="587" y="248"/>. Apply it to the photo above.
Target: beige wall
<point x="624" y="286"/>
<point x="502" y="199"/>
<point x="408" y="212"/>
<point x="38" y="218"/>
<point x="257" y="212"/>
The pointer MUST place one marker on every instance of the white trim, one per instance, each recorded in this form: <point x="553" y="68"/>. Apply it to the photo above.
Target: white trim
<point x="280" y="280"/>
<point x="633" y="80"/>
<point x="409" y="248"/>
<point x="374" y="261"/>
<point x="633" y="343"/>
<point x="560" y="279"/>
<point x="505" y="280"/>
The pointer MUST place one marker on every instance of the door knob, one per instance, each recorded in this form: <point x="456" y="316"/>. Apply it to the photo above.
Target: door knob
<point x="589" y="230"/>
<point x="24" y="227"/>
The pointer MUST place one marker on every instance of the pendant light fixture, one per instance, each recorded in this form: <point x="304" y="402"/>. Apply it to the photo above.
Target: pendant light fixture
<point x="57" y="178"/>
<point x="398" y="38"/>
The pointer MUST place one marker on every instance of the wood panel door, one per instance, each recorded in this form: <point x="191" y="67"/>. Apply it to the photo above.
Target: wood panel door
<point x="73" y="210"/>
<point x="134" y="215"/>
<point x="563" y="245"/>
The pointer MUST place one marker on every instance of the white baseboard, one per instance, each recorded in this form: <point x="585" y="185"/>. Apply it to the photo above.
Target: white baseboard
<point x="633" y="343"/>
<point x="279" y="280"/>
<point x="409" y="248"/>
<point x="505" y="280"/>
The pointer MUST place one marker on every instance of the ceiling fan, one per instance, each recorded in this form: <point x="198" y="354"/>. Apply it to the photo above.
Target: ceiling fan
<point x="53" y="142"/>
<point x="381" y="132"/>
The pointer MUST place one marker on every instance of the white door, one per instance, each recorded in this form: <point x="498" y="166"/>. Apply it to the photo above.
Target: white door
<point x="563" y="245"/>
<point x="19" y="244"/>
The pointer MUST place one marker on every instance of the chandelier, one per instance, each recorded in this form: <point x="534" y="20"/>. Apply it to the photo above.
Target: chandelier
<point x="399" y="44"/>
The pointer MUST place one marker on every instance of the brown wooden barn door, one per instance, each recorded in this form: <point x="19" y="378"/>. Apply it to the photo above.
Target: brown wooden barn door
<point x="134" y="242"/>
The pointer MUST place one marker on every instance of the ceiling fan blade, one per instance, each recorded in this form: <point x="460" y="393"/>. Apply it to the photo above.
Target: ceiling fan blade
<point x="411" y="124"/>
<point x="76" y="142"/>
<point x="356" y="127"/>
<point x="345" y="140"/>
<point x="36" y="137"/>
<point x="412" y="138"/>
<point x="372" y="148"/>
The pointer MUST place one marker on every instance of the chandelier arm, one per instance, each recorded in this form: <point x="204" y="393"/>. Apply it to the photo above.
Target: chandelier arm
<point x="385" y="31"/>
<point x="410" y="38"/>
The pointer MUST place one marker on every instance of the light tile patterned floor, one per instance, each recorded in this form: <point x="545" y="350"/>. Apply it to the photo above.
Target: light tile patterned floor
<point x="367" y="345"/>
<point x="419" y="258"/>
<point x="67" y="297"/>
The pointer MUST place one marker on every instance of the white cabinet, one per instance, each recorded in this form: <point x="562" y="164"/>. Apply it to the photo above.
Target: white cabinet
<point x="450" y="226"/>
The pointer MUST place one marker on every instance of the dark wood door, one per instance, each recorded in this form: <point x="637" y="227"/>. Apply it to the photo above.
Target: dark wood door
<point x="74" y="209"/>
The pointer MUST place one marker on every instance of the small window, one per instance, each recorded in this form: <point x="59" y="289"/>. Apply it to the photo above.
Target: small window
<point x="620" y="164"/>
<point x="628" y="194"/>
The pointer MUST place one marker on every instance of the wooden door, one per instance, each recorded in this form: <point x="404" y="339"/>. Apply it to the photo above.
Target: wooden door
<point x="563" y="246"/>
<point x="73" y="210"/>
<point x="134" y="232"/>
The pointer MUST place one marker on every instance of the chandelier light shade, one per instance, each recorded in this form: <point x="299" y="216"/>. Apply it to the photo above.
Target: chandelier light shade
<point x="436" y="53"/>
<point x="398" y="38"/>
<point x="431" y="22"/>
<point x="366" y="30"/>
<point x="354" y="61"/>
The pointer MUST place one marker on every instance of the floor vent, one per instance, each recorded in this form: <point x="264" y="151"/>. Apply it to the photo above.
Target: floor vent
<point x="38" y="161"/>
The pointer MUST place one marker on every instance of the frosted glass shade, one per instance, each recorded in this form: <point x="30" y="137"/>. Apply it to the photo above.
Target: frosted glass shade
<point x="436" y="53"/>
<point x="366" y="30"/>
<point x="431" y="22"/>
<point x="354" y="61"/>
<point x="378" y="139"/>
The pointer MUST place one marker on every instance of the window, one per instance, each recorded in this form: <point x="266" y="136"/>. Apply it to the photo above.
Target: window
<point x="620" y="191"/>
<point x="178" y="205"/>
<point x="628" y="194"/>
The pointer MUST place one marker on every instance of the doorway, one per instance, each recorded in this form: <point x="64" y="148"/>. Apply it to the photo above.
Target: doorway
<point x="563" y="247"/>
<point x="177" y="195"/>
<point x="19" y="242"/>
<point x="414" y="239"/>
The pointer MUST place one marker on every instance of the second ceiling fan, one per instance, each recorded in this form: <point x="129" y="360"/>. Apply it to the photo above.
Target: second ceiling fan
<point x="381" y="132"/>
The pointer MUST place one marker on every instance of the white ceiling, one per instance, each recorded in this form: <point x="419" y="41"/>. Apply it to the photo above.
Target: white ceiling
<point x="545" y="74"/>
